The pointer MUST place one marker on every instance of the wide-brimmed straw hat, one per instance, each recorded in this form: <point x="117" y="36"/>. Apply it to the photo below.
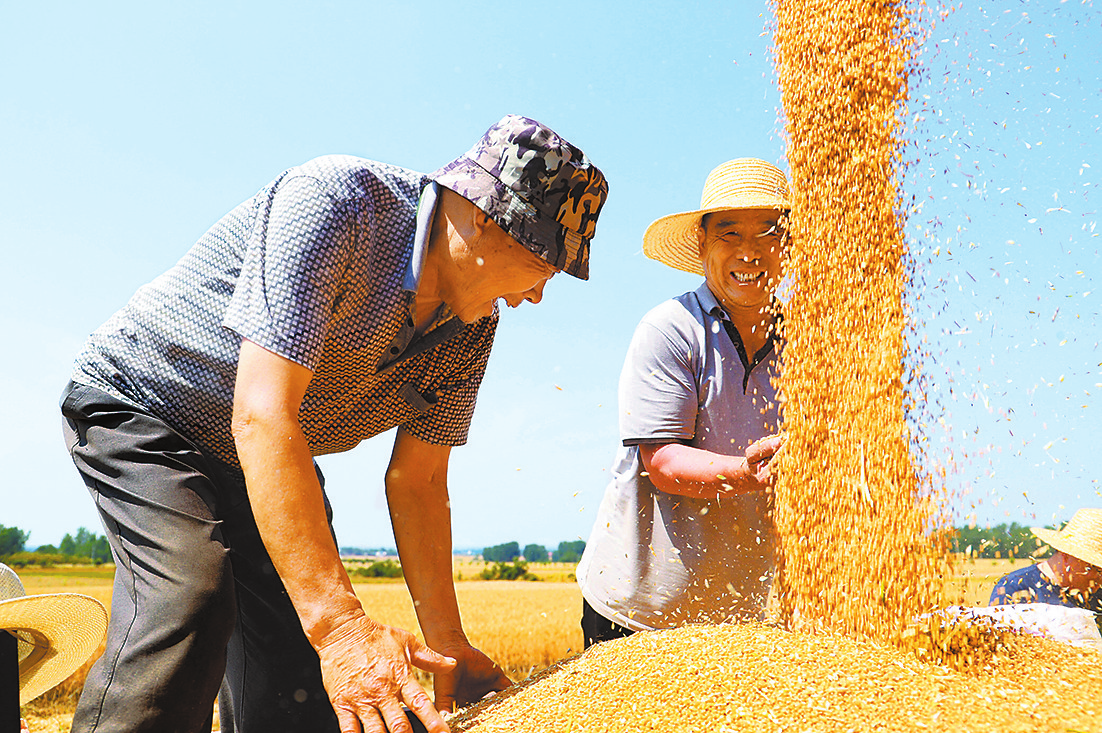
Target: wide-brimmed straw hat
<point x="55" y="633"/>
<point x="743" y="183"/>
<point x="1081" y="537"/>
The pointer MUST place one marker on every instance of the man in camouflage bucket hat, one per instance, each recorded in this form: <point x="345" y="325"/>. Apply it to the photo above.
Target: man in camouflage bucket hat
<point x="345" y="298"/>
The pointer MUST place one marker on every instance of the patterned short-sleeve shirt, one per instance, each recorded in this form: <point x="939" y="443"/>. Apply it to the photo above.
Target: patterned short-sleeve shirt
<point x="321" y="266"/>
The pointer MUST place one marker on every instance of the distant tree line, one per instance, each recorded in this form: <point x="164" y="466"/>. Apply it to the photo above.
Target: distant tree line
<point x="1001" y="541"/>
<point x="509" y="551"/>
<point x="85" y="544"/>
<point x="379" y="569"/>
<point x="86" y="547"/>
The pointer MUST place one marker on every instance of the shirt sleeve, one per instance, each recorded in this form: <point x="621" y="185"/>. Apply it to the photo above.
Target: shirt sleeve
<point x="658" y="393"/>
<point x="292" y="269"/>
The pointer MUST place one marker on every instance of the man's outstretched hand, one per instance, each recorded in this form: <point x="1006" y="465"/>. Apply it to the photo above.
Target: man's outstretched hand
<point x="367" y="671"/>
<point x="472" y="678"/>
<point x="760" y="456"/>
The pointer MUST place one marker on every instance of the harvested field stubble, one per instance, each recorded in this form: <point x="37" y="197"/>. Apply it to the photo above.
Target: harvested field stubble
<point x="862" y="550"/>
<point x="757" y="678"/>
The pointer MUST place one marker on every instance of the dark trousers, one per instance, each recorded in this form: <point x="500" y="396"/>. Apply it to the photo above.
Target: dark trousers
<point x="196" y="599"/>
<point x="596" y="628"/>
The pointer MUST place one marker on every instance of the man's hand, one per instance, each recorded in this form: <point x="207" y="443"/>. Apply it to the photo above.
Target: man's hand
<point x="760" y="456"/>
<point x="366" y="668"/>
<point x="473" y="677"/>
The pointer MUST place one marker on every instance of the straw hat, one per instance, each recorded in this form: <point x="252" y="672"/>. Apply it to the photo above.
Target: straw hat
<point x="1081" y="537"/>
<point x="55" y="633"/>
<point x="743" y="183"/>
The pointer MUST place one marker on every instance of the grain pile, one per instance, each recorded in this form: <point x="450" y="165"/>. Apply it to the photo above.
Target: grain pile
<point x="857" y="524"/>
<point x="757" y="678"/>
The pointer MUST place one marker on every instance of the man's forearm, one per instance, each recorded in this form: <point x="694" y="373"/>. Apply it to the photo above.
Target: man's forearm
<point x="287" y="503"/>
<point x="417" y="495"/>
<point x="422" y="531"/>
<point x="687" y="471"/>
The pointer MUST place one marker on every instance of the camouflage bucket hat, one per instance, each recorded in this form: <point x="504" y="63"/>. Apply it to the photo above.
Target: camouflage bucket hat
<point x="536" y="186"/>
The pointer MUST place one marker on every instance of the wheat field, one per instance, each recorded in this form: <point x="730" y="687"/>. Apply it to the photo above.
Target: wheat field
<point x="523" y="625"/>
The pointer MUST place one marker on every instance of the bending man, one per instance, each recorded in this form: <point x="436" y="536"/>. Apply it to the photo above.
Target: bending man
<point x="346" y="298"/>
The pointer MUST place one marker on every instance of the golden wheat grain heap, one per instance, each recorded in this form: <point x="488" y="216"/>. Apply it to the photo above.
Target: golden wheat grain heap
<point x="758" y="678"/>
<point x="861" y="553"/>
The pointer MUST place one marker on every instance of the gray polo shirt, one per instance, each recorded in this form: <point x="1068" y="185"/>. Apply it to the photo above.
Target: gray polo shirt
<point x="656" y="560"/>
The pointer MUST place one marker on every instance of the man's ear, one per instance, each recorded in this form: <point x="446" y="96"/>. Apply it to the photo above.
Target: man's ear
<point x="463" y="216"/>
<point x="480" y="220"/>
<point x="700" y="236"/>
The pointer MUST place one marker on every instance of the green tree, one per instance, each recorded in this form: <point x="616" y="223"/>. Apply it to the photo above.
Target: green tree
<point x="68" y="545"/>
<point x="535" y="553"/>
<point x="101" y="550"/>
<point x="569" y="551"/>
<point x="518" y="570"/>
<point x="506" y="552"/>
<point x="86" y="544"/>
<point x="12" y="540"/>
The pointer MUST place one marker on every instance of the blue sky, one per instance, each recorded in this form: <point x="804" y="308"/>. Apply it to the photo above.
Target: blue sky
<point x="129" y="128"/>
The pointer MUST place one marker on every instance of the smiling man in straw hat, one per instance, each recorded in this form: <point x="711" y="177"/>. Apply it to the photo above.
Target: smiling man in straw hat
<point x="1071" y="577"/>
<point x="43" y="640"/>
<point x="683" y="533"/>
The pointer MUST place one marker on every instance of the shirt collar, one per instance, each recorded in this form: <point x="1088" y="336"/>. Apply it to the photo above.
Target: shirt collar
<point x="708" y="300"/>
<point x="710" y="305"/>
<point x="426" y="207"/>
<point x="411" y="281"/>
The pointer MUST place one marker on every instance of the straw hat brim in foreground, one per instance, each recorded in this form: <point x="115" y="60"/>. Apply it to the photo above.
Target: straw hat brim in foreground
<point x="740" y="184"/>
<point x="55" y="633"/>
<point x="1081" y="537"/>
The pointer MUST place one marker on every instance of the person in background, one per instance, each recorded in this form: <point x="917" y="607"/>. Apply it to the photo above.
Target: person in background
<point x="684" y="532"/>
<point x="346" y="298"/>
<point x="1071" y="577"/>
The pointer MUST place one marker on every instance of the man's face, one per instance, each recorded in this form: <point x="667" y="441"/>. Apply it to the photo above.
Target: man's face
<point x="496" y="267"/>
<point x="741" y="252"/>
<point x="1081" y="572"/>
